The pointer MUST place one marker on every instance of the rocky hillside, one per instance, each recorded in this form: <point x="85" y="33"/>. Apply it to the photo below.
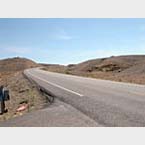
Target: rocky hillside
<point x="129" y="68"/>
<point x="111" y="64"/>
<point x="16" y="64"/>
<point x="22" y="92"/>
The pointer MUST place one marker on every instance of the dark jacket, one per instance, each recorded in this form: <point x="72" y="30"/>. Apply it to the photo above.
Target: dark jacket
<point x="1" y="94"/>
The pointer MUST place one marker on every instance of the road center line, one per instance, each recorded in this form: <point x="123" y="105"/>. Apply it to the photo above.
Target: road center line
<point x="58" y="86"/>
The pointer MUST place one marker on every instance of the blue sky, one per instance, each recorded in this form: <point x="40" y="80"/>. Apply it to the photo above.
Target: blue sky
<point x="67" y="41"/>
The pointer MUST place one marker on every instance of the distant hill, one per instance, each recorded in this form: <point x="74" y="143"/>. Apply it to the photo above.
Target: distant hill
<point x="16" y="64"/>
<point x="129" y="68"/>
<point x="112" y="64"/>
<point x="54" y="67"/>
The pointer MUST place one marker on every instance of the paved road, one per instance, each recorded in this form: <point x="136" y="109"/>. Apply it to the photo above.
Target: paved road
<point x="108" y="103"/>
<point x="58" y="114"/>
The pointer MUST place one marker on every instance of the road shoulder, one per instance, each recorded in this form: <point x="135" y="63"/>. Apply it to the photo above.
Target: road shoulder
<point x="58" y="114"/>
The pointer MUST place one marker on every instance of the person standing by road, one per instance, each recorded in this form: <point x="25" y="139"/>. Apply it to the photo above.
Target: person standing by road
<point x="2" y="100"/>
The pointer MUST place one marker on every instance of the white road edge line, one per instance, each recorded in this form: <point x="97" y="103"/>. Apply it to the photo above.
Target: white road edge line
<point x="57" y="85"/>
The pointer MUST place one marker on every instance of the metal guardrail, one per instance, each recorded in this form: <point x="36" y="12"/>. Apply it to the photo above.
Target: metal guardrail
<point x="45" y="92"/>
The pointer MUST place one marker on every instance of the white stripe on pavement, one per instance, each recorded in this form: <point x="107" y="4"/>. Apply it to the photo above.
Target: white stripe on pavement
<point x="57" y="85"/>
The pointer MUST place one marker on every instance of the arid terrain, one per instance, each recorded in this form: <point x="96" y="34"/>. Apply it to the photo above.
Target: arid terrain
<point x="22" y="92"/>
<point x="118" y="68"/>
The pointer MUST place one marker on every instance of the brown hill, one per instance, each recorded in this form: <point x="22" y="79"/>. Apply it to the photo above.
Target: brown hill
<point x="54" y="67"/>
<point x="129" y="68"/>
<point x="111" y="64"/>
<point x="16" y="64"/>
<point x="120" y="68"/>
<point x="22" y="92"/>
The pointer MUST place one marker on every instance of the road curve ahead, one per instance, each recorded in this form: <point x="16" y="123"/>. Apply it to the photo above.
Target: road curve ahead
<point x="106" y="102"/>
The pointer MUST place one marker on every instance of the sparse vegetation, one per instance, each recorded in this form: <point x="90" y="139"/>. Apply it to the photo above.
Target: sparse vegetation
<point x="22" y="92"/>
<point x="118" y="68"/>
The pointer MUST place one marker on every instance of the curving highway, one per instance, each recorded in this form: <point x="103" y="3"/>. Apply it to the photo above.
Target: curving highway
<point x="106" y="102"/>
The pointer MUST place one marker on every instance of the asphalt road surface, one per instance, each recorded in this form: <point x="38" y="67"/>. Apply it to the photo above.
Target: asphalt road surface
<point x="108" y="103"/>
<point x="58" y="114"/>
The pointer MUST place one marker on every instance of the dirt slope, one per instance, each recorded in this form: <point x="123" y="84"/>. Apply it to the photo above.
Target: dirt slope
<point x="22" y="92"/>
<point x="129" y="68"/>
<point x="16" y="64"/>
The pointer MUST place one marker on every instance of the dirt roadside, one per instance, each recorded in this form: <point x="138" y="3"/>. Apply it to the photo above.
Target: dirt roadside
<point x="22" y="93"/>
